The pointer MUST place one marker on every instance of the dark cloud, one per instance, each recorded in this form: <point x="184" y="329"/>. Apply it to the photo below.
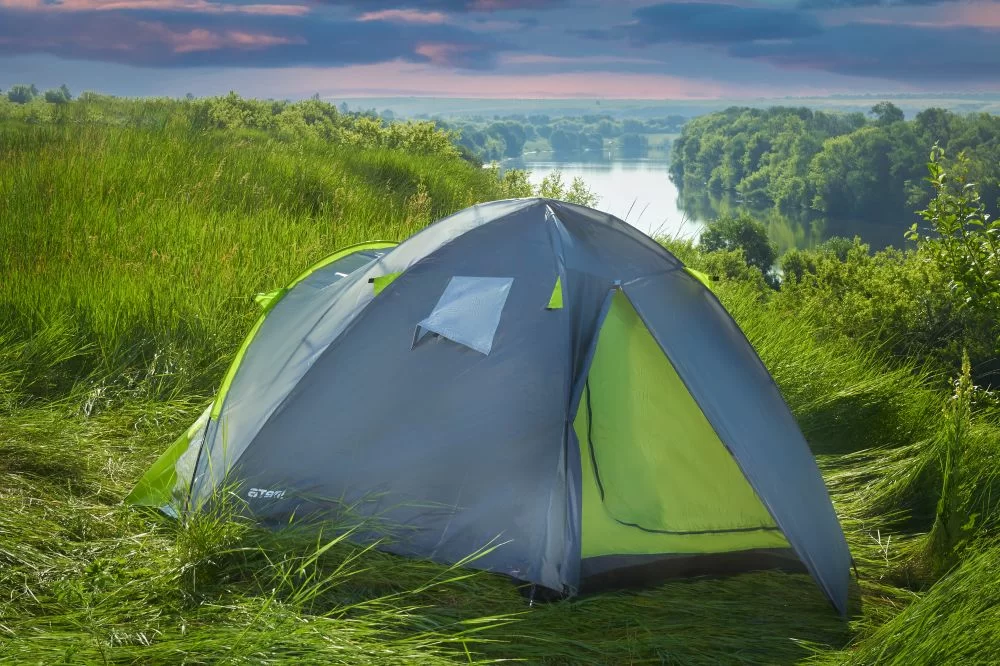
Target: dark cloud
<point x="849" y="4"/>
<point x="158" y="39"/>
<point x="795" y="39"/>
<point x="896" y="52"/>
<point x="707" y="23"/>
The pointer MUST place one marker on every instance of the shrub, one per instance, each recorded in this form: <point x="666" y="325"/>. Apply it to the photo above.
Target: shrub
<point x="744" y="233"/>
<point x="22" y="94"/>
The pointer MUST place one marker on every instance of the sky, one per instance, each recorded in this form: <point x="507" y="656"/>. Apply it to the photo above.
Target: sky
<point x="503" y="48"/>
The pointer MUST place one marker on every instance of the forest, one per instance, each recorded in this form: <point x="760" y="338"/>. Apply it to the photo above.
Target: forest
<point x="843" y="165"/>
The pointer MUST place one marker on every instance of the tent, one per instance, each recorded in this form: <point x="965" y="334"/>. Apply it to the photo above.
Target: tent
<point x="529" y="371"/>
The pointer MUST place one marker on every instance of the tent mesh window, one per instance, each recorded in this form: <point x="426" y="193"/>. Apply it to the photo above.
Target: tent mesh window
<point x="468" y="312"/>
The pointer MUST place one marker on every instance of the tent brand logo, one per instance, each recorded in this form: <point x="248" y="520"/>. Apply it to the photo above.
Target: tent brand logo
<point x="262" y="493"/>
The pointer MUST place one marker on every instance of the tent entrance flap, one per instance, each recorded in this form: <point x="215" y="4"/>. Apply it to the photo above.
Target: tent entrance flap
<point x="656" y="478"/>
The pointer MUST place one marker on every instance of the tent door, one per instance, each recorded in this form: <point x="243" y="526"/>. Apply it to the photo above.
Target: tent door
<point x="655" y="476"/>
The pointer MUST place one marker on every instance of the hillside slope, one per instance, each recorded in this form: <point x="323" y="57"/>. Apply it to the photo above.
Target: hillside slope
<point x="128" y="261"/>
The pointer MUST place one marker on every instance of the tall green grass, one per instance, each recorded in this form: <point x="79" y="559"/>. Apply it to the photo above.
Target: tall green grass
<point x="132" y="254"/>
<point x="128" y="261"/>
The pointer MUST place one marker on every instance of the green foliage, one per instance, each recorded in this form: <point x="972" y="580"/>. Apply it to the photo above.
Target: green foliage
<point x="726" y="265"/>
<point x="552" y="187"/>
<point x="887" y="113"/>
<point x="840" y="164"/>
<point x="741" y="232"/>
<point x="633" y="145"/>
<point x="899" y="301"/>
<point x="185" y="226"/>
<point x="316" y="120"/>
<point x="516" y="184"/>
<point x="957" y="622"/>
<point x="506" y="136"/>
<point x="60" y="95"/>
<point x="967" y="241"/>
<point x="22" y="94"/>
<point x="952" y="521"/>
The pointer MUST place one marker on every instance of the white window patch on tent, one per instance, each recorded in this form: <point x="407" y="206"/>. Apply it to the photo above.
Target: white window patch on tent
<point x="468" y="312"/>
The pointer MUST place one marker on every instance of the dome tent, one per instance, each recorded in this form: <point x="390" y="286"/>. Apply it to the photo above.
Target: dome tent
<point x="528" y="370"/>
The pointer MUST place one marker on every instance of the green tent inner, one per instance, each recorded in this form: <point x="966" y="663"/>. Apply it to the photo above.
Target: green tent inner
<point x="656" y="477"/>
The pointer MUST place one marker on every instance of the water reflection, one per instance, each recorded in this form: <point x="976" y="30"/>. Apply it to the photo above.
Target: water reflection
<point x="788" y="230"/>
<point x="639" y="191"/>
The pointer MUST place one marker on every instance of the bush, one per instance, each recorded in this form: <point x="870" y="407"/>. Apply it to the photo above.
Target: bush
<point x="741" y="233"/>
<point x="22" y="94"/>
<point x="59" y="95"/>
<point x="966" y="241"/>
<point x="898" y="300"/>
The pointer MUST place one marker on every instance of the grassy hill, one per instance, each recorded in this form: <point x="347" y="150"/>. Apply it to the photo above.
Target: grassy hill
<point x="131" y="244"/>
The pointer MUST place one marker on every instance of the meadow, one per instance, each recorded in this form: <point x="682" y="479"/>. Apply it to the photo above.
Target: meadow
<point x="130" y="253"/>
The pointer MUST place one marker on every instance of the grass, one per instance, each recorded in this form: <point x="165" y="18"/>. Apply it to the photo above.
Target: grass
<point x="128" y="261"/>
<point x="135" y="249"/>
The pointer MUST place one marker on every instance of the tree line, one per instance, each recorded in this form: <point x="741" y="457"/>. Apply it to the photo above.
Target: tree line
<point x="844" y="165"/>
<point x="490" y="139"/>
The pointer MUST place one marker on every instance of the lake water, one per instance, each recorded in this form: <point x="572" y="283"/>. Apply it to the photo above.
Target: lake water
<point x="640" y="192"/>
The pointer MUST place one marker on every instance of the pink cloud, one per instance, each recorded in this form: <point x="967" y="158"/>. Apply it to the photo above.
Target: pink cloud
<point x="978" y="15"/>
<point x="204" y="40"/>
<point x="543" y="59"/>
<point x="405" y="16"/>
<point x="201" y="39"/>
<point x="500" y="5"/>
<point x="975" y="14"/>
<point x="141" y="36"/>
<point x="439" y="53"/>
<point x="406" y="79"/>
<point x="193" y="6"/>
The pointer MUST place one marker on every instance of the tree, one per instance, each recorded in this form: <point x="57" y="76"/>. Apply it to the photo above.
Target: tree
<point x="56" y="96"/>
<point x="935" y="124"/>
<point x="552" y="187"/>
<point x="513" y="136"/>
<point x="741" y="233"/>
<point x="634" y="145"/>
<point x="608" y="129"/>
<point x="22" y="94"/>
<point x="887" y="113"/>
<point x="591" y="141"/>
<point x="563" y="141"/>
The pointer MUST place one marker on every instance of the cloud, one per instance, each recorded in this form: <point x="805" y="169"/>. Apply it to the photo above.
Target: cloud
<point x="404" y="16"/>
<point x="545" y="59"/>
<point x="964" y="49"/>
<point x="449" y="5"/>
<point x="170" y="40"/>
<point x="707" y="23"/>
<point x="402" y="79"/>
<point x="199" y="39"/>
<point x="897" y="52"/>
<point x="844" y="4"/>
<point x="187" y="6"/>
<point x="968" y="14"/>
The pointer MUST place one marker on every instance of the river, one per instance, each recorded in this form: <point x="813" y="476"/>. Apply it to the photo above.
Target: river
<point x="640" y="192"/>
